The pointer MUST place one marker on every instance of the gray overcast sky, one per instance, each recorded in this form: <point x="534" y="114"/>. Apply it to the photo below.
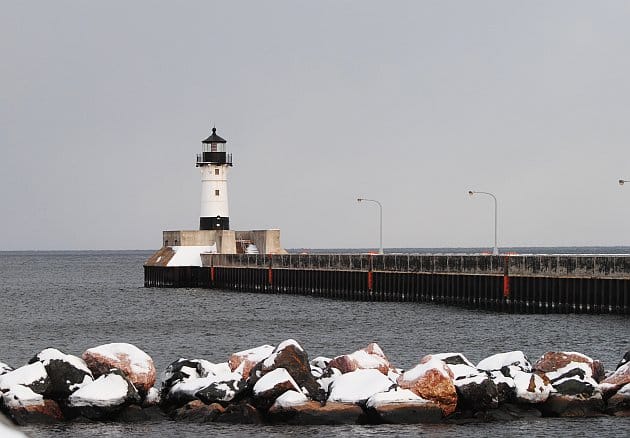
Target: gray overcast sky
<point x="103" y="106"/>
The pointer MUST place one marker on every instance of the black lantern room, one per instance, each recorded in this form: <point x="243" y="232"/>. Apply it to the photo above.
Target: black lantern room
<point x="213" y="151"/>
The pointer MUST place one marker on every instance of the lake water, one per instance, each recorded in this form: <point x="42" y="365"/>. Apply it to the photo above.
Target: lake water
<point x="76" y="300"/>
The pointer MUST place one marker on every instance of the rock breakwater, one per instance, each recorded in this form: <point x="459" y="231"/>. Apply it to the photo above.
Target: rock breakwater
<point x="267" y="384"/>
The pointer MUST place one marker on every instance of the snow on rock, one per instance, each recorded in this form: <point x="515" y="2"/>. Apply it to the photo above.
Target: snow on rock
<point x="531" y="388"/>
<point x="67" y="372"/>
<point x="476" y="392"/>
<point x="189" y="255"/>
<point x="292" y="357"/>
<point x="506" y="388"/>
<point x="249" y="358"/>
<point x="33" y="376"/>
<point x="290" y="398"/>
<point x="272" y="385"/>
<point x="396" y="395"/>
<point x="4" y="368"/>
<point x="624" y="360"/>
<point x="183" y="369"/>
<point x="358" y="386"/>
<point x="554" y="363"/>
<point x="109" y="390"/>
<point x="457" y="363"/>
<point x="223" y="388"/>
<point x="432" y="380"/>
<point x="510" y="359"/>
<point x="27" y="407"/>
<point x="621" y="377"/>
<point x="134" y="363"/>
<point x="20" y="396"/>
<point x="152" y="398"/>
<point x="371" y="357"/>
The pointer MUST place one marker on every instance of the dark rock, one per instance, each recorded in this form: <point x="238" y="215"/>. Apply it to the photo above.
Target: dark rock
<point x="624" y="360"/>
<point x="313" y="413"/>
<point x="272" y="385"/>
<point x="292" y="357"/>
<point x="183" y="369"/>
<point x="198" y="411"/>
<point x="574" y="387"/>
<point x="135" y="414"/>
<point x="477" y="393"/>
<point x="223" y="391"/>
<point x="240" y="413"/>
<point x="619" y="403"/>
<point x="560" y="405"/>
<point x="67" y="373"/>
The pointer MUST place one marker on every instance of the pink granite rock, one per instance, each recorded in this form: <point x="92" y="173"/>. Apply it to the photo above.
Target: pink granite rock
<point x="432" y="380"/>
<point x="134" y="363"/>
<point x="248" y="359"/>
<point x="370" y="357"/>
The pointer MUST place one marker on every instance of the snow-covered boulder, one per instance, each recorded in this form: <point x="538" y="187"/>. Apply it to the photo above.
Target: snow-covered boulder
<point x="27" y="407"/>
<point x="506" y="388"/>
<point x="513" y="360"/>
<point x="457" y="363"/>
<point x="554" y="361"/>
<point x="249" y="358"/>
<point x="33" y="376"/>
<point x="134" y="363"/>
<point x="67" y="373"/>
<point x="612" y="383"/>
<point x="476" y="392"/>
<point x="225" y="388"/>
<point x="531" y="387"/>
<point x="272" y="385"/>
<point x="370" y="357"/>
<point x="319" y="366"/>
<point x="432" y="380"/>
<point x="358" y="386"/>
<point x="292" y="357"/>
<point x="402" y="406"/>
<point x="4" y="368"/>
<point x="104" y="397"/>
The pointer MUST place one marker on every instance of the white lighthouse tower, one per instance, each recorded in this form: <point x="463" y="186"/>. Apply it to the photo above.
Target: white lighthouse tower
<point x="214" y="162"/>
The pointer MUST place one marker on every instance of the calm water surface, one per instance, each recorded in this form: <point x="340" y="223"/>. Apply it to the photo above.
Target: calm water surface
<point x="76" y="300"/>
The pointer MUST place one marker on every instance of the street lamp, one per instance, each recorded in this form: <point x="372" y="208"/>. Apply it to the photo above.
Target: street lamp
<point x="623" y="181"/>
<point x="380" y="223"/>
<point x="495" y="251"/>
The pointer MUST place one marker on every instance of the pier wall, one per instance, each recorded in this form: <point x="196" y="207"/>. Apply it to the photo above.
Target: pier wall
<point x="524" y="284"/>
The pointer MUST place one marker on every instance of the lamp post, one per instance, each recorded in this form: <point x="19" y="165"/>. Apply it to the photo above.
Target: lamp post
<point x="623" y="181"/>
<point x="380" y="222"/>
<point x="495" y="251"/>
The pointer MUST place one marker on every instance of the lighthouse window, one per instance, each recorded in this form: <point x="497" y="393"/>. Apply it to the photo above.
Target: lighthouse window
<point x="216" y="171"/>
<point x="213" y="147"/>
<point x="216" y="193"/>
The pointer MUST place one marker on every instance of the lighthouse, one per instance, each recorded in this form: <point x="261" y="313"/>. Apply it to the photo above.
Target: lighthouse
<point x="214" y="163"/>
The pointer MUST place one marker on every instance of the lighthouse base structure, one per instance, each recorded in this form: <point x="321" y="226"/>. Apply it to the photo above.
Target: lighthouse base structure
<point x="184" y="249"/>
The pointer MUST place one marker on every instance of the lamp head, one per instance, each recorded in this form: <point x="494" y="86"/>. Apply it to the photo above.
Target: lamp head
<point x="470" y="193"/>
<point x="621" y="182"/>
<point x="359" y="199"/>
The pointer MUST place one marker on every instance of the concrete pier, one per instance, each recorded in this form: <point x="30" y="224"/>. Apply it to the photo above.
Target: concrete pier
<point x="523" y="284"/>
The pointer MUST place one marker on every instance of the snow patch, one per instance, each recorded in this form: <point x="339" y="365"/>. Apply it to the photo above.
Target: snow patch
<point x="290" y="399"/>
<point x="357" y="386"/>
<point x="107" y="390"/>
<point x="20" y="396"/>
<point x="190" y="255"/>
<point x="500" y="360"/>
<point x="273" y="378"/>
<point x="394" y="396"/>
<point x="26" y="375"/>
